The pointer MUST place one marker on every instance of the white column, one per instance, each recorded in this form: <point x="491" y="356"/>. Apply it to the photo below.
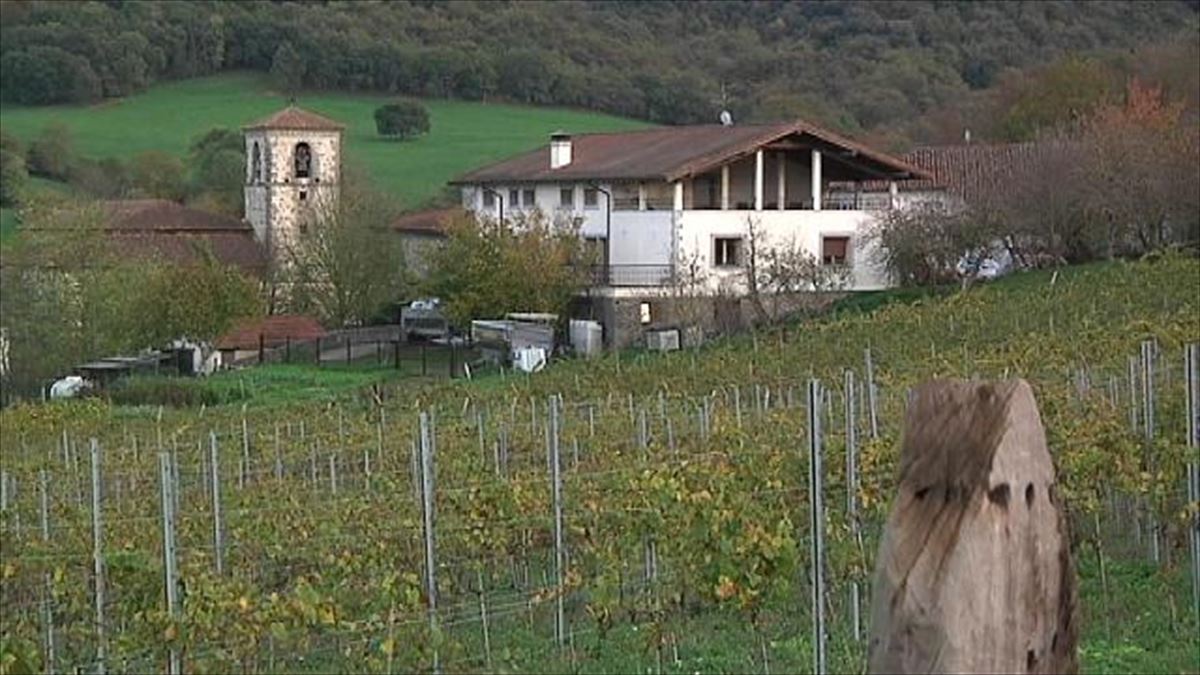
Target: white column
<point x="678" y="195"/>
<point x="758" y="180"/>
<point x="641" y="196"/>
<point x="781" y="192"/>
<point x="816" y="180"/>
<point x="725" y="187"/>
<point x="893" y="194"/>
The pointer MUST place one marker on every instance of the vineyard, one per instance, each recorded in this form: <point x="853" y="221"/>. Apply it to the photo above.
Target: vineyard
<point x="716" y="510"/>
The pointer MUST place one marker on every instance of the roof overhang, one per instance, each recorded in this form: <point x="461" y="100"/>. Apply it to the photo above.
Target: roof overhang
<point x="853" y="157"/>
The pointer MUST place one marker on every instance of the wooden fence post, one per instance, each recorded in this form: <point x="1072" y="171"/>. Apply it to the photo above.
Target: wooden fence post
<point x="974" y="571"/>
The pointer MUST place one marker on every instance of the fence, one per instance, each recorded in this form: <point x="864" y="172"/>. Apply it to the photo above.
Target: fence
<point x="512" y="531"/>
<point x="382" y="347"/>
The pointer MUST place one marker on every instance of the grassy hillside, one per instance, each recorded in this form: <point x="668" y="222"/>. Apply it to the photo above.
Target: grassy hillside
<point x="167" y="117"/>
<point x="703" y="453"/>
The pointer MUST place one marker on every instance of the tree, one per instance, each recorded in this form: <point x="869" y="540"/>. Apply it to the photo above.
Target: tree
<point x="1140" y="167"/>
<point x="216" y="167"/>
<point x="68" y="296"/>
<point x="529" y="264"/>
<point x="44" y="74"/>
<point x="349" y="265"/>
<point x="52" y="153"/>
<point x="1058" y="94"/>
<point x="288" y="68"/>
<point x="108" y="178"/>
<point x="207" y="298"/>
<point x="783" y="277"/>
<point x="157" y="174"/>
<point x="921" y="244"/>
<point x="13" y="178"/>
<point x="403" y="119"/>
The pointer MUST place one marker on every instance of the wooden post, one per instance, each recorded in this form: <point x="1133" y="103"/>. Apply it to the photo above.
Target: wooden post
<point x="261" y="348"/>
<point x="974" y="569"/>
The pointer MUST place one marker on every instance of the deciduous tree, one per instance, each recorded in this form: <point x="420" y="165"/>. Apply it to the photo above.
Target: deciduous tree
<point x="349" y="265"/>
<point x="402" y="119"/>
<point x="529" y="264"/>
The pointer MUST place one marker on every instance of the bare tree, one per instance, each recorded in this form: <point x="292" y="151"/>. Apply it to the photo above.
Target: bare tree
<point x="783" y="277"/>
<point x="349" y="264"/>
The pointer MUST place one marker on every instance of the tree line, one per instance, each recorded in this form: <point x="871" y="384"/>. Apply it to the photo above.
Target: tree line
<point x="1122" y="180"/>
<point x="210" y="177"/>
<point x="856" y="66"/>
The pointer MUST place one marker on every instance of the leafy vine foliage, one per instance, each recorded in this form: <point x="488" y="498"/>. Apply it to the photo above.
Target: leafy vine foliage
<point x="685" y="487"/>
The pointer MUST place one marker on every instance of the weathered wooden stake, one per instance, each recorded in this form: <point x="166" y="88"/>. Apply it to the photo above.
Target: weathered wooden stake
<point x="974" y="570"/>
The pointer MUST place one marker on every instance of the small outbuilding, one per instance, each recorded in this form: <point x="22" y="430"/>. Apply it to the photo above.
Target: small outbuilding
<point x="249" y="336"/>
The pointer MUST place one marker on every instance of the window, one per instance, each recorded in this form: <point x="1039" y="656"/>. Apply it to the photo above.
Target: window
<point x="835" y="250"/>
<point x="590" y="198"/>
<point x="489" y="199"/>
<point x="303" y="161"/>
<point x="256" y="165"/>
<point x="530" y="198"/>
<point x="304" y="195"/>
<point x="514" y="198"/>
<point x="566" y="197"/>
<point x="727" y="251"/>
<point x="644" y="313"/>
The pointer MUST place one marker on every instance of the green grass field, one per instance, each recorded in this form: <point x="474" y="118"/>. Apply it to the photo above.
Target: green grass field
<point x="464" y="135"/>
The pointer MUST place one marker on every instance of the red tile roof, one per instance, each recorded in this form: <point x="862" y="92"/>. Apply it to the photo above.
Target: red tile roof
<point x="429" y="222"/>
<point x="275" y="331"/>
<point x="165" y="229"/>
<point x="670" y="153"/>
<point x="966" y="171"/>
<point x="295" y="117"/>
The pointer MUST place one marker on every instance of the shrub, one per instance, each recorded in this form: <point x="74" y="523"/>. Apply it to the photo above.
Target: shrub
<point x="404" y="119"/>
<point x="174" y="392"/>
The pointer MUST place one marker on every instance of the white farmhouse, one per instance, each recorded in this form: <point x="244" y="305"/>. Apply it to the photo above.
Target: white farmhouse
<point x="650" y="201"/>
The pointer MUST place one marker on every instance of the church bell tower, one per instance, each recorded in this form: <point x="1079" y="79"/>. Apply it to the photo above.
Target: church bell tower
<point x="293" y="168"/>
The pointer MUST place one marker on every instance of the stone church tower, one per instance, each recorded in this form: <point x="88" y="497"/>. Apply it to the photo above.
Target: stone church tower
<point x="293" y="166"/>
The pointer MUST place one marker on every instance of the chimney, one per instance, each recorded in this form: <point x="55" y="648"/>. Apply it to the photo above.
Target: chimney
<point x="560" y="149"/>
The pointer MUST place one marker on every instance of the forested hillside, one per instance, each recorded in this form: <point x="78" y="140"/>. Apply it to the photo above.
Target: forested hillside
<point x="890" y="67"/>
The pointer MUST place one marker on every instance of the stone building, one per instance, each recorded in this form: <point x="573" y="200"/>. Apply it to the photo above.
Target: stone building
<point x="293" y="168"/>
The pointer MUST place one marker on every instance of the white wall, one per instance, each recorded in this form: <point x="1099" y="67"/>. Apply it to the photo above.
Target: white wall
<point x="642" y="238"/>
<point x="662" y="237"/>
<point x="698" y="229"/>
<point x="547" y="198"/>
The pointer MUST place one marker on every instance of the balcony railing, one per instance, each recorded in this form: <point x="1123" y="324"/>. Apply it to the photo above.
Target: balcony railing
<point x="851" y="201"/>
<point x="631" y="275"/>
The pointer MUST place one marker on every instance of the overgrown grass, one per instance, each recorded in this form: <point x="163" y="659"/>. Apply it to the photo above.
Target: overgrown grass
<point x="262" y="386"/>
<point x="1144" y="624"/>
<point x="167" y="117"/>
<point x="35" y="187"/>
